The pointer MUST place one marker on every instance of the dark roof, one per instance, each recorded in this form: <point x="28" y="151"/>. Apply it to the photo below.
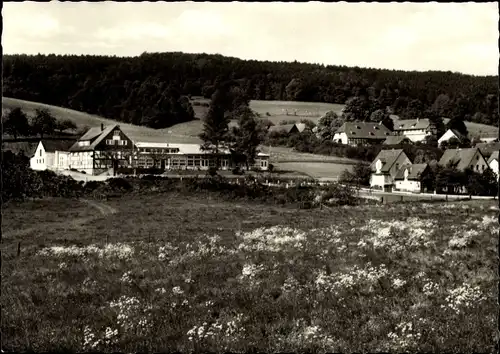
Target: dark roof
<point x="59" y="145"/>
<point x="91" y="133"/>
<point x="493" y="156"/>
<point x="488" y="148"/>
<point x="416" y="171"/>
<point x="459" y="135"/>
<point x="463" y="157"/>
<point x="364" y="130"/>
<point x="285" y="128"/>
<point x="27" y="147"/>
<point x="396" y="140"/>
<point x="409" y="124"/>
<point x="388" y="158"/>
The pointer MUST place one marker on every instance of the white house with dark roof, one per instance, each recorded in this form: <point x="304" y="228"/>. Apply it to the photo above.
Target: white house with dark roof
<point x="354" y="133"/>
<point x="451" y="134"/>
<point x="51" y="155"/>
<point x="493" y="163"/>
<point x="409" y="178"/>
<point x="385" y="168"/>
<point x="464" y="158"/>
<point x="414" y="129"/>
<point x="101" y="149"/>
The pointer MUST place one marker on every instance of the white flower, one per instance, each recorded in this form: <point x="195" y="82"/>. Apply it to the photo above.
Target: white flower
<point x="177" y="290"/>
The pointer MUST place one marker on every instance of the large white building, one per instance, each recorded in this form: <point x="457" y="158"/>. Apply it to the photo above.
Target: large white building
<point x="186" y="156"/>
<point x="51" y="155"/>
<point x="414" y="129"/>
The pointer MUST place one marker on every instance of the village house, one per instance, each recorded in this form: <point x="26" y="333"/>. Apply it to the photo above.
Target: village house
<point x="51" y="155"/>
<point x="409" y="178"/>
<point x="284" y="129"/>
<point x="493" y="163"/>
<point x="397" y="140"/>
<point x="101" y="149"/>
<point x="488" y="148"/>
<point x="385" y="168"/>
<point x="166" y="156"/>
<point x="354" y="133"/>
<point x="414" y="129"/>
<point x="451" y="134"/>
<point x="464" y="158"/>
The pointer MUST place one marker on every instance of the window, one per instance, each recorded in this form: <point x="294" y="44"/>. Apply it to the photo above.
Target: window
<point x="40" y="152"/>
<point x="110" y="142"/>
<point x="122" y="142"/>
<point x="477" y="167"/>
<point x="116" y="133"/>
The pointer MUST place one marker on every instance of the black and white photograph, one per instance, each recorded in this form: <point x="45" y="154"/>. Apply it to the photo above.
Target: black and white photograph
<point x="250" y="177"/>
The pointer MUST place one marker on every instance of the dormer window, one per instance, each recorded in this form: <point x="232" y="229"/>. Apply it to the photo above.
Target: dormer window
<point x="358" y="127"/>
<point x="353" y="133"/>
<point x="376" y="128"/>
<point x="413" y="126"/>
<point x="401" y="126"/>
<point x="371" y="133"/>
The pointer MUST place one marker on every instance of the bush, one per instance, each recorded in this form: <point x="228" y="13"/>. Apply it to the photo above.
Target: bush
<point x="119" y="184"/>
<point x="237" y="171"/>
<point x="212" y="172"/>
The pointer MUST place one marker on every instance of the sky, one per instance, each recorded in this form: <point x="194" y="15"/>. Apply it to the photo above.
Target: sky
<point x="461" y="37"/>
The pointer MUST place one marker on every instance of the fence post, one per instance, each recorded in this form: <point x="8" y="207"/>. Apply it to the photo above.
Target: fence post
<point x="18" y="249"/>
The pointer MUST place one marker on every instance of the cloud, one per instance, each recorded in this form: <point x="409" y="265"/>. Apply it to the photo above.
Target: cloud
<point x="411" y="36"/>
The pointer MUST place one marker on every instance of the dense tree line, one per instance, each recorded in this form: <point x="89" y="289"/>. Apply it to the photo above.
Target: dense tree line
<point x="151" y="89"/>
<point x="17" y="124"/>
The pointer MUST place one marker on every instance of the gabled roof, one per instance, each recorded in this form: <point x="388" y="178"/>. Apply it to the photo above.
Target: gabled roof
<point x="364" y="130"/>
<point x="286" y="128"/>
<point x="388" y="158"/>
<point x="59" y="145"/>
<point x="409" y="124"/>
<point x="416" y="171"/>
<point x="459" y="135"/>
<point x="488" y="148"/>
<point x="396" y="140"/>
<point x="493" y="156"/>
<point x="300" y="127"/>
<point x="91" y="134"/>
<point x="463" y="157"/>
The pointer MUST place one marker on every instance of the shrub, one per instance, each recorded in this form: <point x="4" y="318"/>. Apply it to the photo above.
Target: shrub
<point x="119" y="184"/>
<point x="237" y="171"/>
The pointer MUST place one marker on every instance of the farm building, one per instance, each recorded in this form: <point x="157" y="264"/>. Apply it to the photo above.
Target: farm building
<point x="397" y="140"/>
<point x="166" y="156"/>
<point x="414" y="129"/>
<point x="463" y="158"/>
<point x="409" y="178"/>
<point x="451" y="134"/>
<point x="385" y="168"/>
<point x="493" y="163"/>
<point x="101" y="149"/>
<point x="284" y="129"/>
<point x="354" y="133"/>
<point x="51" y="155"/>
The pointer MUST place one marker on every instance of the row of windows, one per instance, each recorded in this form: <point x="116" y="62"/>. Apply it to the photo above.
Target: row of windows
<point x="120" y="142"/>
<point x="160" y="151"/>
<point x="40" y="160"/>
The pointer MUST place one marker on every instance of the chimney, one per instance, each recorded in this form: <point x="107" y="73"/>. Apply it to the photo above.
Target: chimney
<point x="102" y="126"/>
<point x="418" y="119"/>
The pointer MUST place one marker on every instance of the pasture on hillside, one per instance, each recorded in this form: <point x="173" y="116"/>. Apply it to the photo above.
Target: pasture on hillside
<point x="175" y="273"/>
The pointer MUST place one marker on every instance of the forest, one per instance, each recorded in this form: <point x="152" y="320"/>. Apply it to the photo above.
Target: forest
<point x="153" y="89"/>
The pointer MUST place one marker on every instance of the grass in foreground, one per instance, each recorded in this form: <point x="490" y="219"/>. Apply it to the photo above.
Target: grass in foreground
<point x="180" y="273"/>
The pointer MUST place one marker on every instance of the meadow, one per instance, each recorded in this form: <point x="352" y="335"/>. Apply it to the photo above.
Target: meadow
<point x="169" y="272"/>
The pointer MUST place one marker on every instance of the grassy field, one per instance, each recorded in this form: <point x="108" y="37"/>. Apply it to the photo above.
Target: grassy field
<point x="315" y="169"/>
<point x="173" y="273"/>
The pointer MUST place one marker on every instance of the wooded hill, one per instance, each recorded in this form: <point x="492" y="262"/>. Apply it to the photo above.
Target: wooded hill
<point x="151" y="89"/>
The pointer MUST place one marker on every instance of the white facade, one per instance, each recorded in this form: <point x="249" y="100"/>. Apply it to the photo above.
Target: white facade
<point x="82" y="161"/>
<point x="494" y="166"/>
<point x="447" y="136"/>
<point x="408" y="185"/>
<point x="415" y="134"/>
<point x="340" y="138"/>
<point x="478" y="163"/>
<point x="42" y="159"/>
<point x="61" y="160"/>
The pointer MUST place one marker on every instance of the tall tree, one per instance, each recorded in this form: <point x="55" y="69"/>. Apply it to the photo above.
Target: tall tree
<point x="43" y="122"/>
<point x="248" y="136"/>
<point x="16" y="123"/>
<point x="215" y="123"/>
<point x="328" y="125"/>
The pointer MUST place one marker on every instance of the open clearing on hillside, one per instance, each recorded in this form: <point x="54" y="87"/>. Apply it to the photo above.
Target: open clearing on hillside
<point x="176" y="273"/>
<point x="315" y="169"/>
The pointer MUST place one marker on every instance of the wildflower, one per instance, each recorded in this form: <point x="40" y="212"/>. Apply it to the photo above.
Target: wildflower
<point x="177" y="290"/>
<point x="398" y="283"/>
<point x="465" y="296"/>
<point x="127" y="277"/>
